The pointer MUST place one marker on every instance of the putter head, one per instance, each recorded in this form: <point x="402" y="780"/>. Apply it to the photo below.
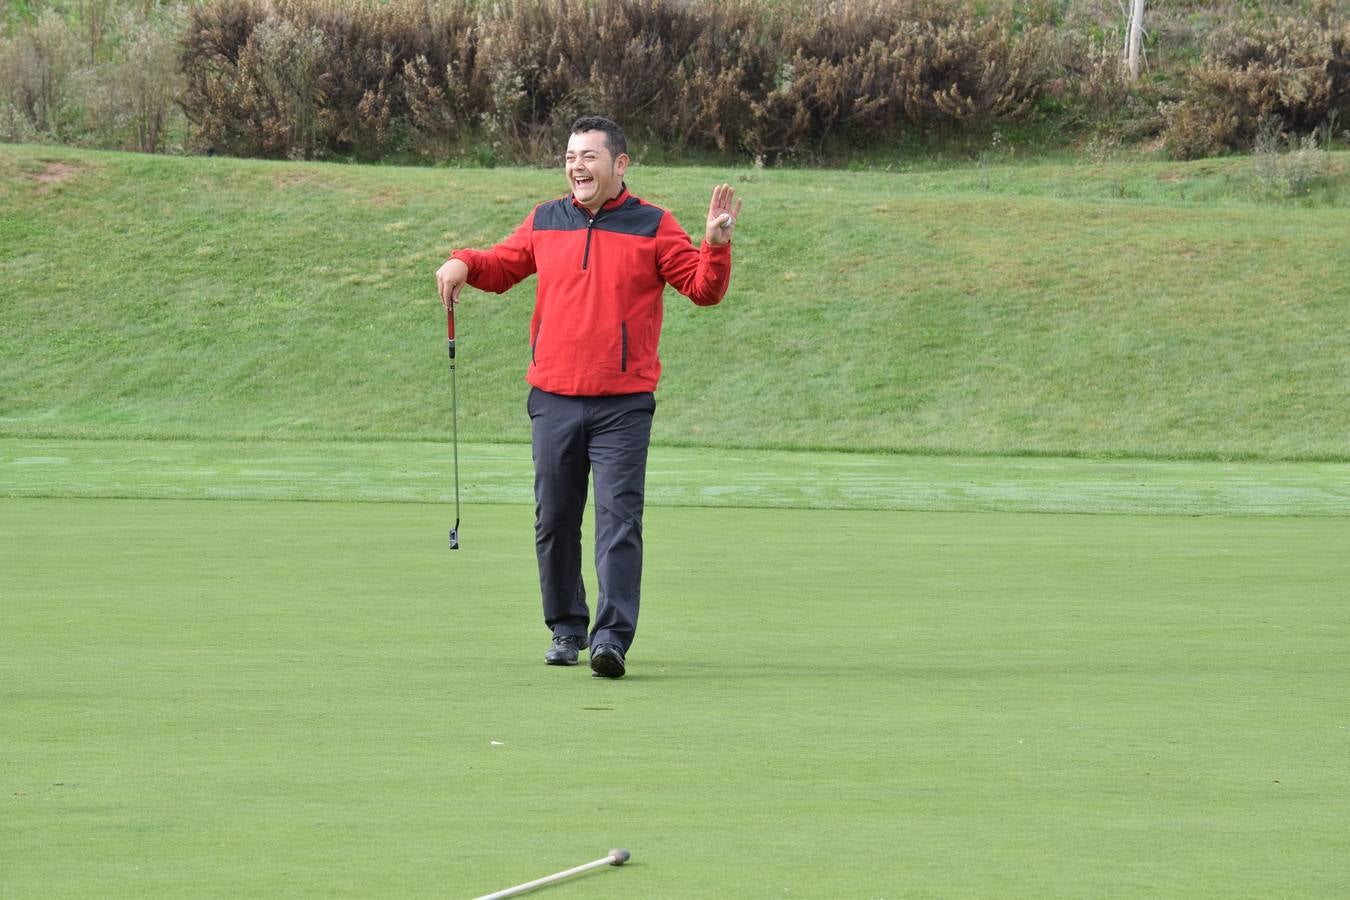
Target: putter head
<point x="454" y="538"/>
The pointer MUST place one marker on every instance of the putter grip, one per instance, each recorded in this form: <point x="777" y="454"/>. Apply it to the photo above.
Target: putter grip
<point x="450" y="330"/>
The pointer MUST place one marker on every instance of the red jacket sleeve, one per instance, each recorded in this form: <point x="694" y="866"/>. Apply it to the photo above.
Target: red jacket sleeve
<point x="700" y="274"/>
<point x="499" y="269"/>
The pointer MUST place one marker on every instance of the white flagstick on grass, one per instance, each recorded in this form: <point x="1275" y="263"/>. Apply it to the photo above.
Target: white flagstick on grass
<point x="616" y="857"/>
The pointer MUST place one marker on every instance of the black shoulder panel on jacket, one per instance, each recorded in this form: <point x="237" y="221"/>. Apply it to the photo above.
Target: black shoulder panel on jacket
<point x="633" y="217"/>
<point x="559" y="215"/>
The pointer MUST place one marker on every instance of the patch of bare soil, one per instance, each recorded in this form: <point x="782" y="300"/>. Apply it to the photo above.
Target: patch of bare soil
<point x="54" y="173"/>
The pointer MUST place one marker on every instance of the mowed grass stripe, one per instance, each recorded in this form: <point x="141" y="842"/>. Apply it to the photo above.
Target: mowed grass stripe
<point x="421" y="472"/>
<point x="277" y="699"/>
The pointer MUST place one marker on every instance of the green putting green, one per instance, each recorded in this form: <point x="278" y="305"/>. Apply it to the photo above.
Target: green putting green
<point x="264" y="699"/>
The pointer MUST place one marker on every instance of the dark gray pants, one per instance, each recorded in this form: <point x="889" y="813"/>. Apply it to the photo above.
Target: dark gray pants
<point x="575" y="437"/>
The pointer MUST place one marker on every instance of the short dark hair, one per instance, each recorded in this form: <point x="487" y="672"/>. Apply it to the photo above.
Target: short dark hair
<point x="614" y="139"/>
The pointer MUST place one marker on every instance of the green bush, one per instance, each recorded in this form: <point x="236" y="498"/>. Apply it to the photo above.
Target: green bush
<point x="111" y="81"/>
<point x="36" y="67"/>
<point x="129" y="99"/>
<point x="1287" y="166"/>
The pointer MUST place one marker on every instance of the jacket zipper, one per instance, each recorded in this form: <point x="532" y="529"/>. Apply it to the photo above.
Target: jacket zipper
<point x="586" y="257"/>
<point x="623" y="347"/>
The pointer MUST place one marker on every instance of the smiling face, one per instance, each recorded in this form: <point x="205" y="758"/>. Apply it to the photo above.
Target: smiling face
<point x="595" y="174"/>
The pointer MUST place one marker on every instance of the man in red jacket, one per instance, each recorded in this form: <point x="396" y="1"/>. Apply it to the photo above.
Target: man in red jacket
<point x="603" y="258"/>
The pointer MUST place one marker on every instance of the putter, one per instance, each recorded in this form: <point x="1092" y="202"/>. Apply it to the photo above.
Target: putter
<point x="616" y="857"/>
<point x="454" y="416"/>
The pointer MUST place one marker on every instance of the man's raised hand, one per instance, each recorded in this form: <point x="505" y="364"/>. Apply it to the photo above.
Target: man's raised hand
<point x="722" y="215"/>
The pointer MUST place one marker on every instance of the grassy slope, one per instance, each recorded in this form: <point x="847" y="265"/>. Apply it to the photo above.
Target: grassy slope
<point x="1147" y="309"/>
<point x="288" y="699"/>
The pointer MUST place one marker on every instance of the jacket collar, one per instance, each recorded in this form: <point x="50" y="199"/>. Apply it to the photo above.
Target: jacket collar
<point x="619" y="200"/>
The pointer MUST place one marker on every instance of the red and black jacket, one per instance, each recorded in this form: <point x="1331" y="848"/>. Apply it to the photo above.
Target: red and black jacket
<point x="597" y="310"/>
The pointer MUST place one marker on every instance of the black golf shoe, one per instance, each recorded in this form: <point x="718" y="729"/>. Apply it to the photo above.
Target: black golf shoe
<point x="607" y="661"/>
<point x="564" y="649"/>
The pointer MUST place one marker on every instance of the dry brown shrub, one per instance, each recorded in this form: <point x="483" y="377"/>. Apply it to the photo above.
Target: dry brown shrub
<point x="864" y="69"/>
<point x="969" y="70"/>
<point x="1293" y="72"/>
<point x="546" y="64"/>
<point x="439" y="97"/>
<point x="371" y="47"/>
<point x="212" y="43"/>
<point x="839" y="78"/>
<point x="765" y="78"/>
<point x="731" y="63"/>
<point x="523" y="75"/>
<point x="350" y="98"/>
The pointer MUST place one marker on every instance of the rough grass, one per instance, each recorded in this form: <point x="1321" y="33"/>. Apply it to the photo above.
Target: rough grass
<point x="1142" y="309"/>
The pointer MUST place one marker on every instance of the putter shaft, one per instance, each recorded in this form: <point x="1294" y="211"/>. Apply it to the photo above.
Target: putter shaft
<point x="454" y="417"/>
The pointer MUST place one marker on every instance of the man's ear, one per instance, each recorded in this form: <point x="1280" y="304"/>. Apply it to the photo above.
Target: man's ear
<point x="621" y="164"/>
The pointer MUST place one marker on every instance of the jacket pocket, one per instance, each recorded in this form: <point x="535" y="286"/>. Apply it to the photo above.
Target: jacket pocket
<point x="534" y="344"/>
<point x="623" y="346"/>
